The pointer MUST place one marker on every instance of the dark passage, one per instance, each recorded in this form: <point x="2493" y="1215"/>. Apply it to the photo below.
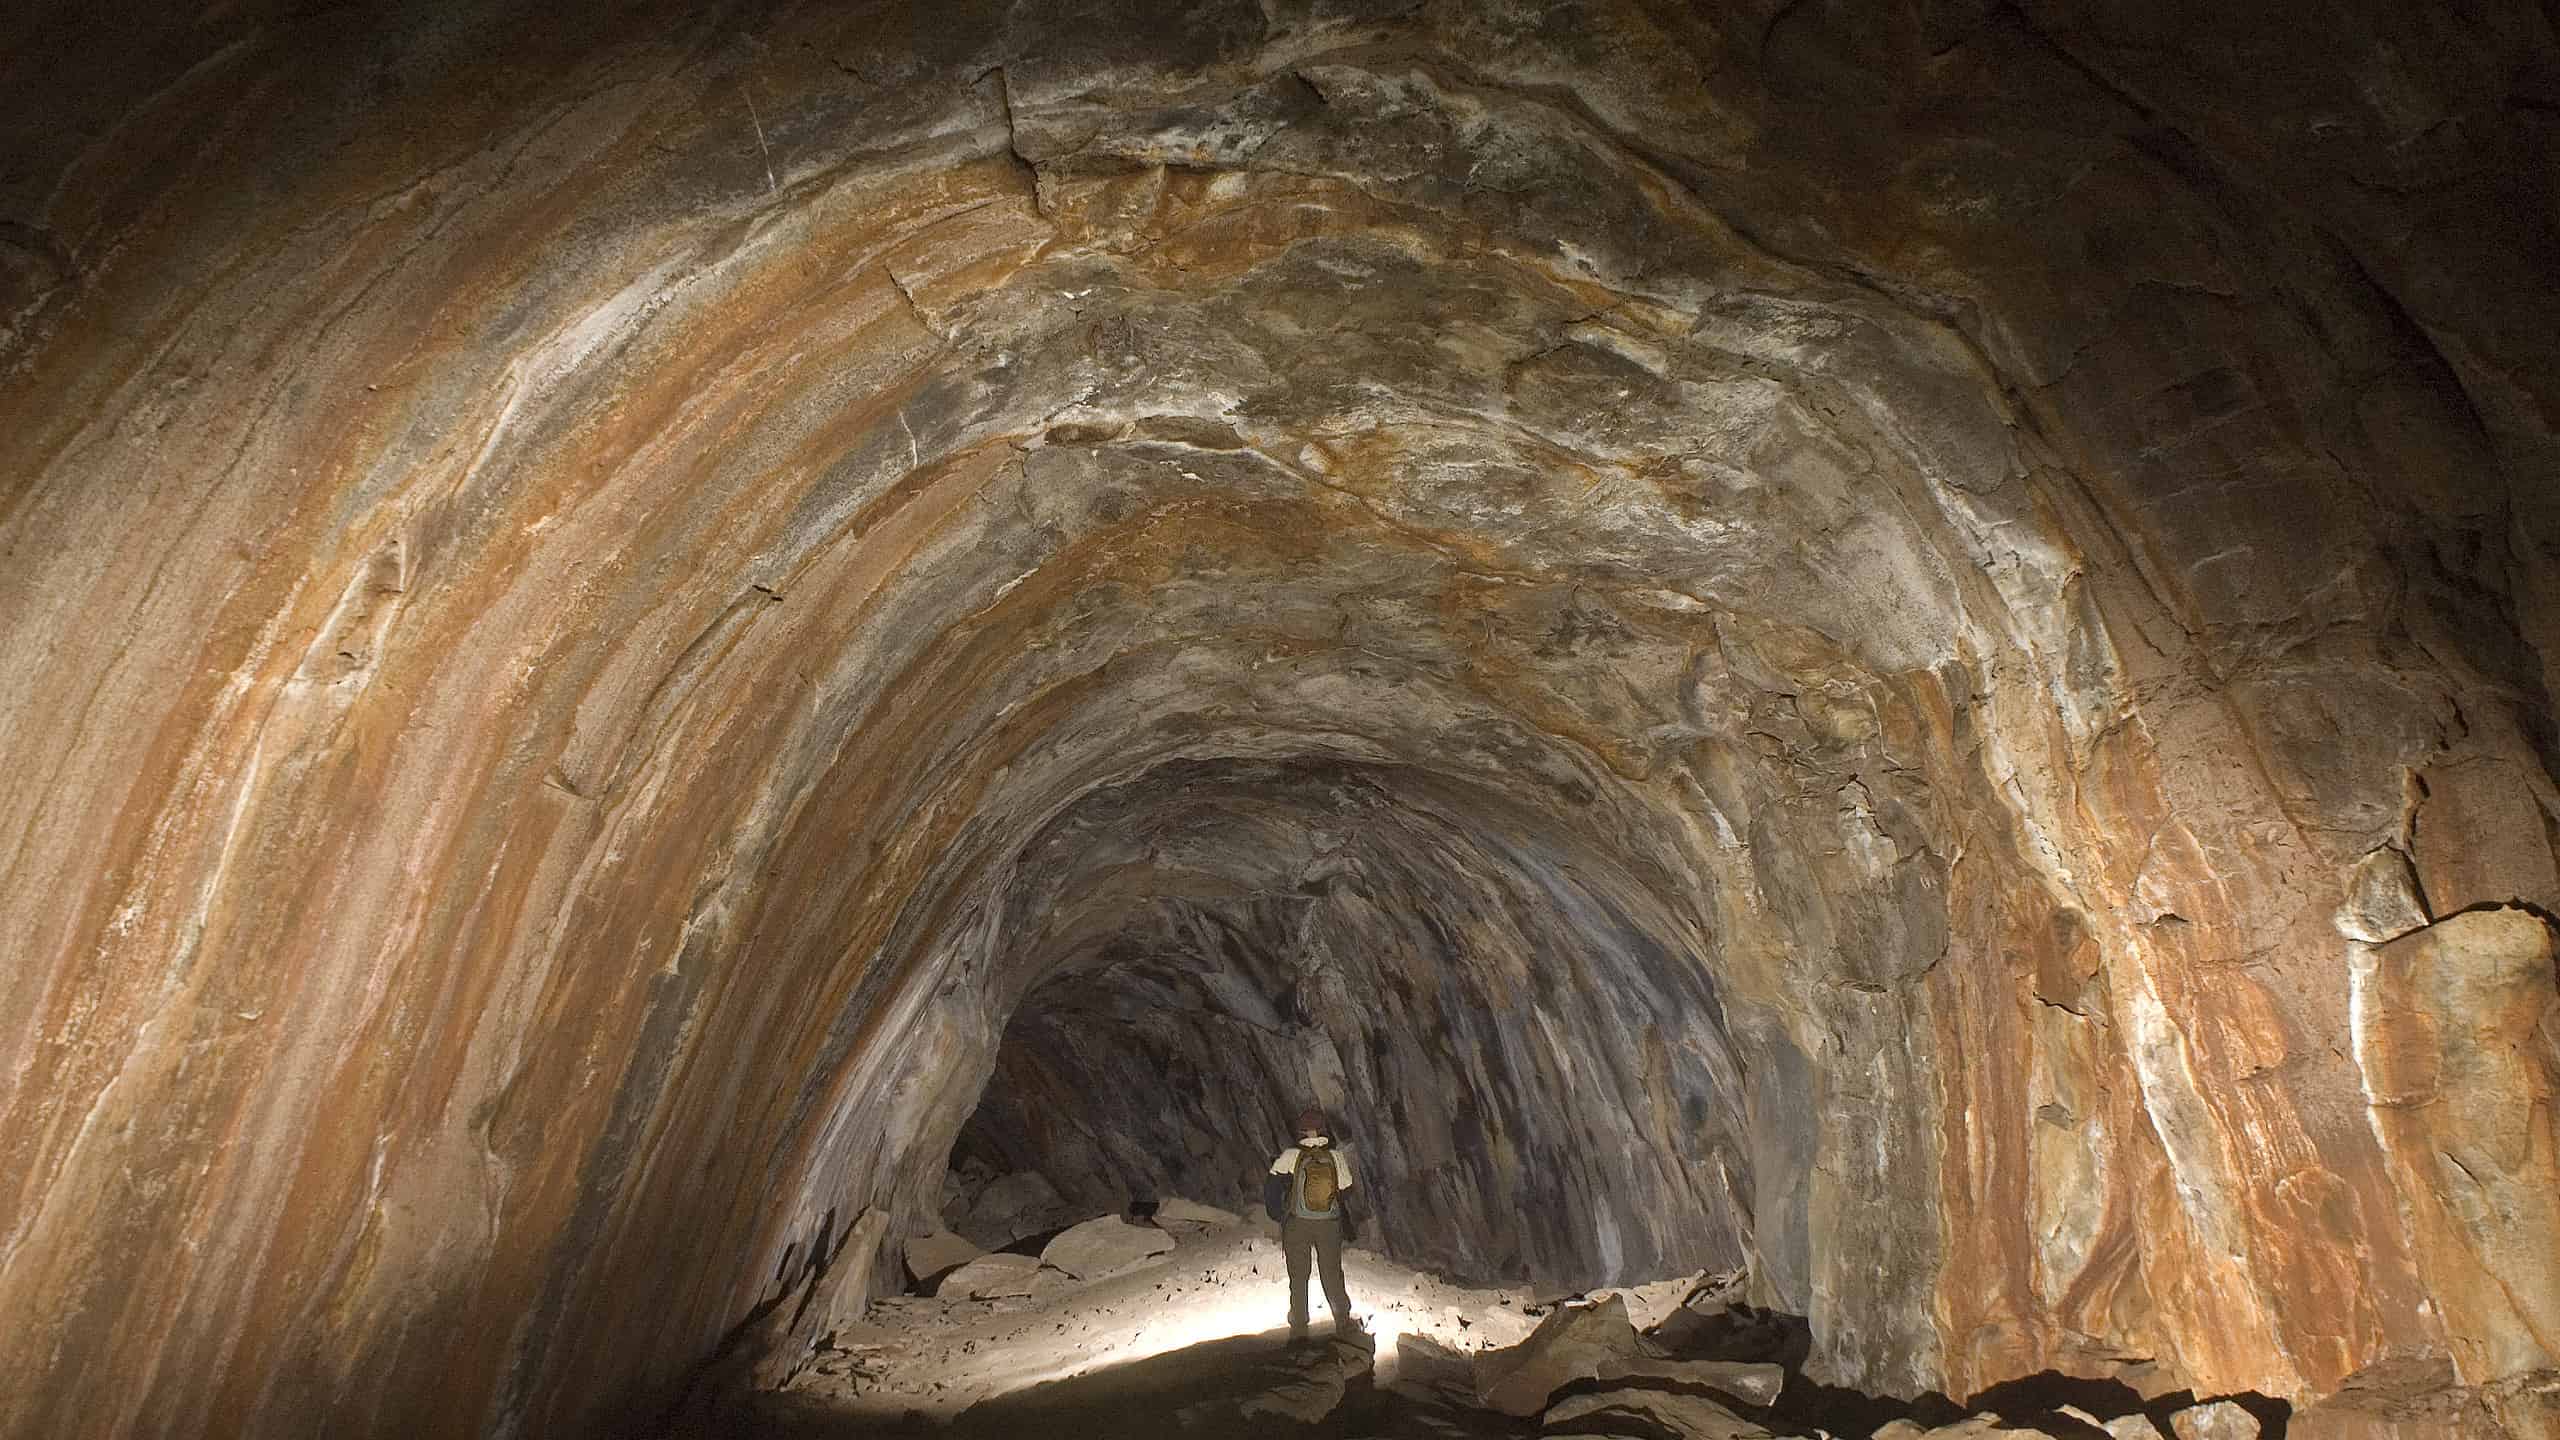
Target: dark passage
<point x="1522" y="1045"/>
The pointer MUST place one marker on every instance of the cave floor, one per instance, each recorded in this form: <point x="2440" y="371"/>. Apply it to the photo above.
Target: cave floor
<point x="1247" y="1385"/>
<point x="1191" y="1343"/>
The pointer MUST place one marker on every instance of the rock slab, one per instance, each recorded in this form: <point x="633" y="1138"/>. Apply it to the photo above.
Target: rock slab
<point x="1575" y="1343"/>
<point x="992" y="1276"/>
<point x="1191" y="1212"/>
<point x="1098" y="1249"/>
<point x="1655" y="1412"/>
<point x="930" y="1255"/>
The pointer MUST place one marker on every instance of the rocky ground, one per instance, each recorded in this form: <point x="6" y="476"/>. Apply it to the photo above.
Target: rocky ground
<point x="1193" y="1337"/>
<point x="1176" y="1326"/>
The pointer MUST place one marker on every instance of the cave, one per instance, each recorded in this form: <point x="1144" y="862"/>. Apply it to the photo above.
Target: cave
<point x="1215" y="943"/>
<point x="1899" y="651"/>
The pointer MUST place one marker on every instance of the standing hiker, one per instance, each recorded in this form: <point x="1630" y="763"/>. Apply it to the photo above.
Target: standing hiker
<point x="1305" y="1192"/>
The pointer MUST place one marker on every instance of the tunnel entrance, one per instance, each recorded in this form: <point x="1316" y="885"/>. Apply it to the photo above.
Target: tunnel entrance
<point x="1530" y="1062"/>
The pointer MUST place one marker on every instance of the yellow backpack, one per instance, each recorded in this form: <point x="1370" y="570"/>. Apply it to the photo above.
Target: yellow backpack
<point x="1318" y="1179"/>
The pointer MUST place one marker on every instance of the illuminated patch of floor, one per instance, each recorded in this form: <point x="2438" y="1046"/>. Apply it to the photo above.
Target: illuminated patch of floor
<point x="1174" y="1347"/>
<point x="1238" y="1386"/>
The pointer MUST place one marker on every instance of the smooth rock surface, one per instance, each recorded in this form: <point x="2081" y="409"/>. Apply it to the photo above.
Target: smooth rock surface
<point x="1100" y="1248"/>
<point x="1048" y="1282"/>
<point x="990" y="1277"/>
<point x="931" y="1255"/>
<point x="1179" y="1211"/>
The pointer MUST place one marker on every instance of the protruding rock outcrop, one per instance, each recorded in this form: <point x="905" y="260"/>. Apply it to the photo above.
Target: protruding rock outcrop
<point x="2455" y="1031"/>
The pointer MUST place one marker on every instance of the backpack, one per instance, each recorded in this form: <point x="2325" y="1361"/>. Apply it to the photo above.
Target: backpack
<point x="1318" y="1180"/>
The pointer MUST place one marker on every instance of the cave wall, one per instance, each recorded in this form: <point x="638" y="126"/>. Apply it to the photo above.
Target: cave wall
<point x="559" y="568"/>
<point x="1219" y="947"/>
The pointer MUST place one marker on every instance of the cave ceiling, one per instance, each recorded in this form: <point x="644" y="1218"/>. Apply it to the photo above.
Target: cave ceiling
<point x="1875" y="643"/>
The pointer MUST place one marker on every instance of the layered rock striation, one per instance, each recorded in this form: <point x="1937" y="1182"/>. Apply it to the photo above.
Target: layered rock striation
<point x="1909" y="644"/>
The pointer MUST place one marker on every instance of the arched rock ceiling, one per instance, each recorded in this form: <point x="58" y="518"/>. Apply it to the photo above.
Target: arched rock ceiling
<point x="565" y="574"/>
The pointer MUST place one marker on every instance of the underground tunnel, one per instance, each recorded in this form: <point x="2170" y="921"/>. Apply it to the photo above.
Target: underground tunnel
<point x="1893" y="658"/>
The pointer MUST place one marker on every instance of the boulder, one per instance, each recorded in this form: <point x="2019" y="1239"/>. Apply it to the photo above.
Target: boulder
<point x="1191" y="1212"/>
<point x="1749" y="1382"/>
<point x="2382" y="901"/>
<point x="1596" y="1342"/>
<point x="990" y="1276"/>
<point x="1575" y="1343"/>
<point x="1305" y="1398"/>
<point x="1658" y="1412"/>
<point x="2214" y="1420"/>
<point x="2136" y="1426"/>
<point x="930" y="1255"/>
<point x="961" y="1186"/>
<point x="1730" y="1332"/>
<point x="1424" y="1363"/>
<point x="1019" y="1204"/>
<point x="1098" y="1249"/>
<point x="1650" y="1304"/>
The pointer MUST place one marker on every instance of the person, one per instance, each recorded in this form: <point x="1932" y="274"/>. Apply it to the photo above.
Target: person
<point x="1308" y="1192"/>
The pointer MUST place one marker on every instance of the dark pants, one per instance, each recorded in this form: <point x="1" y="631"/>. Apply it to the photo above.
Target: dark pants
<point x="1320" y="1240"/>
